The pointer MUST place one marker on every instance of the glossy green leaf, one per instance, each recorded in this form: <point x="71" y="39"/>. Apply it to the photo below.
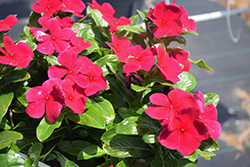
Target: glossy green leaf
<point x="201" y="63"/>
<point x="20" y="94"/>
<point x="122" y="146"/>
<point x="5" y="101"/>
<point x="164" y="157"/>
<point x="52" y="60"/>
<point x="33" y="19"/>
<point x="11" y="161"/>
<point x="16" y="76"/>
<point x="149" y="138"/>
<point x="60" y="158"/>
<point x="109" y="134"/>
<point x="4" y="124"/>
<point x="192" y="157"/>
<point x="121" y="164"/>
<point x="143" y="16"/>
<point x="135" y="28"/>
<point x="92" y="151"/>
<point x="73" y="147"/>
<point x="92" y="118"/>
<point x="134" y="19"/>
<point x="187" y="81"/>
<point x="136" y="126"/>
<point x="126" y="112"/>
<point x="189" y="32"/>
<point x="187" y="163"/>
<point x="168" y="40"/>
<point x="211" y="98"/>
<point x="205" y="153"/>
<point x="69" y="163"/>
<point x="97" y="17"/>
<point x="8" y="137"/>
<point x="34" y="153"/>
<point x="105" y="108"/>
<point x="46" y="128"/>
<point x="214" y="147"/>
<point x="31" y="44"/>
<point x="138" y="88"/>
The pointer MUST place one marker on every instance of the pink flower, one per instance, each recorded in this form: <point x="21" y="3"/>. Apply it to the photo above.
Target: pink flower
<point x="182" y="57"/>
<point x="169" y="67"/>
<point x="71" y="65"/>
<point x="120" y="47"/>
<point x="16" y="55"/>
<point x="91" y="79"/>
<point x="106" y="8"/>
<point x="73" y="6"/>
<point x="8" y="22"/>
<point x="57" y="41"/>
<point x="114" y="22"/>
<point x="47" y="97"/>
<point x="48" y="7"/>
<point x="165" y="106"/>
<point x="185" y="134"/>
<point x="167" y="19"/>
<point x="140" y="59"/>
<point x="187" y="24"/>
<point x="74" y="96"/>
<point x="77" y="44"/>
<point x="199" y="98"/>
<point x="65" y="22"/>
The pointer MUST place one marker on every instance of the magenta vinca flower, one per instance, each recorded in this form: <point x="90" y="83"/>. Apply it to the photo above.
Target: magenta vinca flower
<point x="57" y="41"/>
<point x="48" y="7"/>
<point x="73" y="6"/>
<point x="16" y="55"/>
<point x="48" y="97"/>
<point x="74" y="96"/>
<point x="120" y="47"/>
<point x="169" y="66"/>
<point x="71" y="65"/>
<point x="77" y="44"/>
<point x="115" y="22"/>
<point x="139" y="59"/>
<point x="91" y="79"/>
<point x="167" y="19"/>
<point x="182" y="57"/>
<point x="8" y="22"/>
<point x="106" y="8"/>
<point x="165" y="106"/>
<point x="185" y="134"/>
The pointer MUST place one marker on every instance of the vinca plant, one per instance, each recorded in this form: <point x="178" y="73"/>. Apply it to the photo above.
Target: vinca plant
<point x="103" y="91"/>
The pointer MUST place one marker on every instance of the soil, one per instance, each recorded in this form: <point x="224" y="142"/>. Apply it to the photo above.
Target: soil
<point x="238" y="4"/>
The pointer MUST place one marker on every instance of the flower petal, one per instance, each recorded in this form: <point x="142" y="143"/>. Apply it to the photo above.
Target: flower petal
<point x="36" y="109"/>
<point x="53" y="110"/>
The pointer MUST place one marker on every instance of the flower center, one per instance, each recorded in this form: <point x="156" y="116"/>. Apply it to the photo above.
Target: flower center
<point x="118" y="50"/>
<point x="70" y="97"/>
<point x="53" y="38"/>
<point x="163" y="22"/>
<point x="182" y="129"/>
<point x="90" y="78"/>
<point x="47" y="97"/>
<point x="49" y="7"/>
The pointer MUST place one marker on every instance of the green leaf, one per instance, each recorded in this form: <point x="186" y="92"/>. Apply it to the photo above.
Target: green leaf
<point x="187" y="163"/>
<point x="74" y="147"/>
<point x="192" y="157"/>
<point x="21" y="95"/>
<point x="189" y="32"/>
<point x="122" y="146"/>
<point x="187" y="81"/>
<point x="104" y="107"/>
<point x="8" y="137"/>
<point x="139" y="88"/>
<point x="211" y="98"/>
<point x="34" y="153"/>
<point x="121" y="164"/>
<point x="52" y="60"/>
<point x="214" y="147"/>
<point x="136" y="126"/>
<point x="11" y="161"/>
<point x="60" y="158"/>
<point x="16" y="76"/>
<point x="205" y="153"/>
<point x="109" y="134"/>
<point x="97" y="17"/>
<point x="134" y="19"/>
<point x="201" y="63"/>
<point x="163" y="157"/>
<point x="31" y="44"/>
<point x="143" y="15"/>
<point x="33" y="19"/>
<point x="134" y="28"/>
<point x="69" y="163"/>
<point x="92" y="118"/>
<point x="149" y="138"/>
<point x="168" y="40"/>
<point x="126" y="112"/>
<point x="92" y="151"/>
<point x="5" y="101"/>
<point x="46" y="128"/>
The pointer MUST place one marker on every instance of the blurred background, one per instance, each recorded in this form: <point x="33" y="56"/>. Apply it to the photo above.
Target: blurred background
<point x="229" y="59"/>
